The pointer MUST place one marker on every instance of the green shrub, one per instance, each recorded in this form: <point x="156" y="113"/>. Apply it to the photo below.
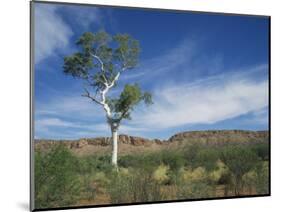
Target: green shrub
<point x="56" y="182"/>
<point x="239" y="160"/>
<point x="88" y="189"/>
<point x="161" y="174"/>
<point x="145" y="161"/>
<point x="190" y="154"/>
<point x="262" y="150"/>
<point x="248" y="181"/>
<point x="136" y="186"/>
<point x="173" y="159"/>
<point x="126" y="161"/>
<point x="207" y="158"/>
<point x="262" y="178"/>
<point x="144" y="187"/>
<point x="194" y="190"/>
<point x="193" y="175"/>
<point x="118" y="188"/>
<point x="61" y="179"/>
<point x="194" y="183"/>
<point x="218" y="174"/>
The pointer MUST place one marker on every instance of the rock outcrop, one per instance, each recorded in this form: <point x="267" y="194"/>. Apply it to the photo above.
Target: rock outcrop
<point x="220" y="136"/>
<point x="133" y="143"/>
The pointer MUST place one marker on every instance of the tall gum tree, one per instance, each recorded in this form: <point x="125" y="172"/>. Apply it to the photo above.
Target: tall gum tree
<point x="100" y="62"/>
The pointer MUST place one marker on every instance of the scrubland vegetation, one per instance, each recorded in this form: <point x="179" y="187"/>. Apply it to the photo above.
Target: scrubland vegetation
<point x="195" y="171"/>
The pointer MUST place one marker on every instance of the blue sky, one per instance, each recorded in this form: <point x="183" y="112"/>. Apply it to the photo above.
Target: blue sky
<point x="205" y="71"/>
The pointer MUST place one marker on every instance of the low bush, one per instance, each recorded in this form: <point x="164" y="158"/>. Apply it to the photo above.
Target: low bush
<point x="262" y="178"/>
<point x="262" y="150"/>
<point x="62" y="179"/>
<point x="136" y="186"/>
<point x="207" y="158"/>
<point x="56" y="182"/>
<point x="239" y="161"/>
<point x="160" y="175"/>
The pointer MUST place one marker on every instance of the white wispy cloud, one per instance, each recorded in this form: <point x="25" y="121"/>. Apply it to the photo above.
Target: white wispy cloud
<point x="51" y="128"/>
<point x="69" y="106"/>
<point x="54" y="122"/>
<point x="193" y="88"/>
<point x="188" y="87"/>
<point x="51" y="32"/>
<point x="170" y="59"/>
<point x="83" y="17"/>
<point x="204" y="102"/>
<point x="186" y="61"/>
<point x="60" y="128"/>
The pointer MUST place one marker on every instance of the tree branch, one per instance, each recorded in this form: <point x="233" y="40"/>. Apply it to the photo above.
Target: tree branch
<point x="102" y="66"/>
<point x="106" y="89"/>
<point x="87" y="94"/>
<point x="114" y="80"/>
<point x="123" y="114"/>
<point x="100" y="61"/>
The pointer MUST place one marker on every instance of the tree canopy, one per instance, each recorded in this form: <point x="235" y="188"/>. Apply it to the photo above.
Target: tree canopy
<point x="101" y="60"/>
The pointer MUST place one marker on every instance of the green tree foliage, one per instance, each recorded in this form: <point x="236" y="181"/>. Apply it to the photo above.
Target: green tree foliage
<point x="100" y="61"/>
<point x="128" y="99"/>
<point x="109" y="58"/>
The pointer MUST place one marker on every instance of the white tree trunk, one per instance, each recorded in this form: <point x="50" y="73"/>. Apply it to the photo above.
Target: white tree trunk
<point x="114" y="147"/>
<point x="108" y="84"/>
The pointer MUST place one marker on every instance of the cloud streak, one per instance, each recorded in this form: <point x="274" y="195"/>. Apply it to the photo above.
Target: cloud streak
<point x="171" y="59"/>
<point x="188" y="89"/>
<point x="69" y="106"/>
<point x="50" y="128"/>
<point x="82" y="17"/>
<point x="51" y="32"/>
<point x="207" y="101"/>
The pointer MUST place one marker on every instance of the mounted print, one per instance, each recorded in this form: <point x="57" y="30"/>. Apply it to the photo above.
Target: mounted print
<point x="138" y="105"/>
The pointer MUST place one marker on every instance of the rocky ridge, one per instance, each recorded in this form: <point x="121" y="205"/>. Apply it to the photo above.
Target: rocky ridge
<point x="132" y="143"/>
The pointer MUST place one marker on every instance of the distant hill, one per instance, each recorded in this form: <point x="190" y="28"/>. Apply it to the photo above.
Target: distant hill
<point x="133" y="144"/>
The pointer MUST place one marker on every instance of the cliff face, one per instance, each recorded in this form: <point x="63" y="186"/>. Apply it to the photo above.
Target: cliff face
<point x="220" y="136"/>
<point x="99" y="141"/>
<point x="100" y="145"/>
<point x="127" y="144"/>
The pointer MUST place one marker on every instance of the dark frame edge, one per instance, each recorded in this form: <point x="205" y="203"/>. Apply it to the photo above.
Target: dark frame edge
<point x="269" y="101"/>
<point x="31" y="107"/>
<point x="149" y="203"/>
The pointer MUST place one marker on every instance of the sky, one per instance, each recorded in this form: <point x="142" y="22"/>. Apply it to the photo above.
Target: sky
<point x="204" y="71"/>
